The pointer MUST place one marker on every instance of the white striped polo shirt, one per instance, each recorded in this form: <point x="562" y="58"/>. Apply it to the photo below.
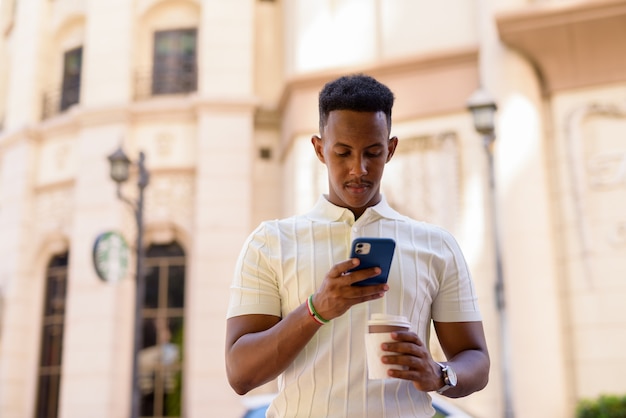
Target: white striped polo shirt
<point x="283" y="261"/>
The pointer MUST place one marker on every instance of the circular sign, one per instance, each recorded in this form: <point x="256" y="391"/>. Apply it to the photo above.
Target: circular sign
<point x="110" y="256"/>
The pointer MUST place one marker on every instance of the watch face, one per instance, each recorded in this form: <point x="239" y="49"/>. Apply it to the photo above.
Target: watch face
<point x="451" y="376"/>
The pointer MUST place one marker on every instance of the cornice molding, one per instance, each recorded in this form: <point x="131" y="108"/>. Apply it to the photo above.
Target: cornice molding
<point x="572" y="45"/>
<point x="28" y="133"/>
<point x="226" y="104"/>
<point x="79" y="117"/>
<point x="415" y="64"/>
<point x="424" y="85"/>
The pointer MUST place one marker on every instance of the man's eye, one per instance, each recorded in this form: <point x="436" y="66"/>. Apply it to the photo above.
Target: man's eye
<point x="374" y="154"/>
<point x="343" y="154"/>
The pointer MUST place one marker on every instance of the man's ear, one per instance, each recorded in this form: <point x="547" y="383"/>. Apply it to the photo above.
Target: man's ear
<point x="319" y="148"/>
<point x="391" y="147"/>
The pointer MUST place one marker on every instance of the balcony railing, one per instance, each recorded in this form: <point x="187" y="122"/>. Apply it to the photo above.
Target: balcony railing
<point x="57" y="101"/>
<point x="147" y="83"/>
<point x="150" y="83"/>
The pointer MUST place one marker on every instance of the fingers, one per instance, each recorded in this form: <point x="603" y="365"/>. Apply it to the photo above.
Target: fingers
<point x="407" y="336"/>
<point x="336" y="294"/>
<point x="406" y="342"/>
<point x="409" y="351"/>
<point x="342" y="271"/>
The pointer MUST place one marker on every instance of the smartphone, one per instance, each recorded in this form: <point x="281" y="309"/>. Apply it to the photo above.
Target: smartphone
<point x="373" y="252"/>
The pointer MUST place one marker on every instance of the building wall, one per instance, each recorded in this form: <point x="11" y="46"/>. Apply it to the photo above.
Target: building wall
<point x="591" y="178"/>
<point x="517" y="66"/>
<point x="58" y="195"/>
<point x="237" y="151"/>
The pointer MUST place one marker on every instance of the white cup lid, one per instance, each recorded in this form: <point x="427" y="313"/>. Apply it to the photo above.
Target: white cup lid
<point x="386" y="319"/>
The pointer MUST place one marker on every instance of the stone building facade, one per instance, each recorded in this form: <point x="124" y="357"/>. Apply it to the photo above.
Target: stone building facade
<point x="221" y="96"/>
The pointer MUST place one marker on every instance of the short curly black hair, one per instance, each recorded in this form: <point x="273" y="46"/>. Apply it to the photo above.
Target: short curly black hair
<point x="358" y="92"/>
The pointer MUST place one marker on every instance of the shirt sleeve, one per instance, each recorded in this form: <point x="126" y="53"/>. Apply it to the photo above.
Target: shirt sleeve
<point x="254" y="287"/>
<point x="456" y="300"/>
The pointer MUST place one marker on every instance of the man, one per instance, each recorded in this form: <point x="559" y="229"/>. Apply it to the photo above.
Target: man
<point x="295" y="314"/>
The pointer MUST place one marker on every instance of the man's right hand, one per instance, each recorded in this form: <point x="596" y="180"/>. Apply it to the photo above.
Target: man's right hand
<point x="336" y="294"/>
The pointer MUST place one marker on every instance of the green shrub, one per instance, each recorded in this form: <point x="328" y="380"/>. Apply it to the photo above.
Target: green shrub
<point x="606" y="406"/>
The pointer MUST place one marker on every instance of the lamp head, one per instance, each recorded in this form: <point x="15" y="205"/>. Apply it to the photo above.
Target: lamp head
<point x="120" y="165"/>
<point x="483" y="109"/>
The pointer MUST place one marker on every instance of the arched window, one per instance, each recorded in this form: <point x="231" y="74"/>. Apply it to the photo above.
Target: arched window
<point x="52" y="327"/>
<point x="166" y="48"/>
<point x="160" y="359"/>
<point x="63" y="79"/>
<point x="174" y="69"/>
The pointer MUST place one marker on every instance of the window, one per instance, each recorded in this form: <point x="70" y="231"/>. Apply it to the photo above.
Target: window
<point x="49" y="375"/>
<point x="70" y="90"/>
<point x="174" y="67"/>
<point x="160" y="359"/>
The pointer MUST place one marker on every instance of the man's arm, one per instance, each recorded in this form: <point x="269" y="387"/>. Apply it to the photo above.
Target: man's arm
<point x="260" y="347"/>
<point x="256" y="348"/>
<point x="465" y="347"/>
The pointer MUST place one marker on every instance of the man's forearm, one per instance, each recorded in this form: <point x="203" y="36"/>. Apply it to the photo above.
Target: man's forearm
<point x="472" y="370"/>
<point x="258" y="357"/>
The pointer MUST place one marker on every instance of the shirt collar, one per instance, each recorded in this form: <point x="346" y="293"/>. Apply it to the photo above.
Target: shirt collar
<point x="326" y="211"/>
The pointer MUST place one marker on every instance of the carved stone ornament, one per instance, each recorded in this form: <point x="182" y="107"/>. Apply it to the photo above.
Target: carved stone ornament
<point x="597" y="169"/>
<point x="423" y="179"/>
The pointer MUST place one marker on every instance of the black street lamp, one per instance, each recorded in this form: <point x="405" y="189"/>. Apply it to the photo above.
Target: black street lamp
<point x="120" y="167"/>
<point x="483" y="109"/>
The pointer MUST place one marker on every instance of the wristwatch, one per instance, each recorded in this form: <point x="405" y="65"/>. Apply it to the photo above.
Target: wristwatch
<point x="449" y="378"/>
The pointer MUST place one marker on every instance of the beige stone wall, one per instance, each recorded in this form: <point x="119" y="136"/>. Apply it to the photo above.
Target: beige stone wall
<point x="591" y="198"/>
<point x="58" y="195"/>
<point x="238" y="151"/>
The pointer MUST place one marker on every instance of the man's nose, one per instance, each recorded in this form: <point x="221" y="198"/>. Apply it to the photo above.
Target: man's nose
<point x="359" y="166"/>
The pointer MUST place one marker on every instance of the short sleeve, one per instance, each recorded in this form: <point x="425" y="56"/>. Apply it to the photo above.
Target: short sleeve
<point x="254" y="287"/>
<point x="456" y="300"/>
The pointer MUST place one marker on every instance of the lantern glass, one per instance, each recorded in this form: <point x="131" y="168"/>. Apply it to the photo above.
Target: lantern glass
<point x="483" y="118"/>
<point x="483" y="110"/>
<point x="120" y="166"/>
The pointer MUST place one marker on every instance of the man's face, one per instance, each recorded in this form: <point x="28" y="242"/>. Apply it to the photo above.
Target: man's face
<point x="355" y="147"/>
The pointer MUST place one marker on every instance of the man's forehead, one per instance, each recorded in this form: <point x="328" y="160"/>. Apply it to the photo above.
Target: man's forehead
<point x="351" y="145"/>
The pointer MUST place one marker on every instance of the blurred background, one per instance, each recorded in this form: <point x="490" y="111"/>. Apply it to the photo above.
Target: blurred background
<point x="141" y="141"/>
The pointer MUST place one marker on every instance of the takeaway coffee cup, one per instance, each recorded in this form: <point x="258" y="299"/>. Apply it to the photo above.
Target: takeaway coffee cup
<point x="380" y="327"/>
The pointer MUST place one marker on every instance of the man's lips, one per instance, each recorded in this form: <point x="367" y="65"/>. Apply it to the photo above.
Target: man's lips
<point x="358" y="186"/>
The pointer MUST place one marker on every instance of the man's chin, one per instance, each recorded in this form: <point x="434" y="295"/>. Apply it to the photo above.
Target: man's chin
<point x="360" y="202"/>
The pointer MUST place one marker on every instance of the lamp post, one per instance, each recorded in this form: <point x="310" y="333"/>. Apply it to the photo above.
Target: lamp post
<point x="483" y="110"/>
<point x="120" y="165"/>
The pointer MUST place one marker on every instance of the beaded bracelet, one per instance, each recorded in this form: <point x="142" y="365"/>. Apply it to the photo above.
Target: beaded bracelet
<point x="316" y="316"/>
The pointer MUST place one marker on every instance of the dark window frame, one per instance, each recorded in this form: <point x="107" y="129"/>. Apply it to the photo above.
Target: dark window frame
<point x="175" y="61"/>
<point x="72" y="71"/>
<point x="49" y="371"/>
<point x="163" y="316"/>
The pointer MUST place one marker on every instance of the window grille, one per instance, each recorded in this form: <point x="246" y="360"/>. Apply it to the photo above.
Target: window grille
<point x="174" y="66"/>
<point x="70" y="89"/>
<point x="160" y="359"/>
<point x="52" y="330"/>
